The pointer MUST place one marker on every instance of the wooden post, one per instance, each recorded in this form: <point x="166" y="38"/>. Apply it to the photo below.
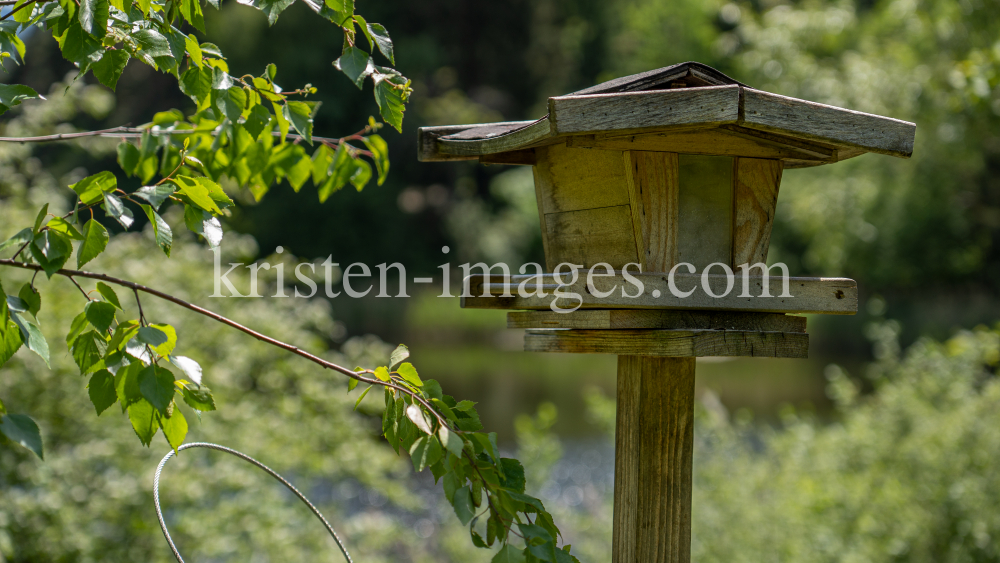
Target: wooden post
<point x="654" y="441"/>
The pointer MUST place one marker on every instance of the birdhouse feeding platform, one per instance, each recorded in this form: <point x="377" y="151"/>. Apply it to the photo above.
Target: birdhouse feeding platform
<point x="674" y="172"/>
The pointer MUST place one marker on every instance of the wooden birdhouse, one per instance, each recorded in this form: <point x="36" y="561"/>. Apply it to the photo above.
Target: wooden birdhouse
<point x="671" y="171"/>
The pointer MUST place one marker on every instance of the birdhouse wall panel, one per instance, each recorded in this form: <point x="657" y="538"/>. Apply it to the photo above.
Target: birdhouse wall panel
<point x="705" y="210"/>
<point x="711" y="141"/>
<point x="756" y="193"/>
<point x="590" y="236"/>
<point x="653" y="187"/>
<point x="573" y="179"/>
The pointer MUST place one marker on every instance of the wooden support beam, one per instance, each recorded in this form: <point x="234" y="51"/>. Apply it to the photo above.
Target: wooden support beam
<point x="607" y="319"/>
<point x="651" y="179"/>
<point x="654" y="444"/>
<point x="669" y="343"/>
<point x="756" y="196"/>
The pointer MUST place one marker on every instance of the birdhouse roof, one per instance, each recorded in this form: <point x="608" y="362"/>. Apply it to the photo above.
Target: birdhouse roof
<point x="686" y="108"/>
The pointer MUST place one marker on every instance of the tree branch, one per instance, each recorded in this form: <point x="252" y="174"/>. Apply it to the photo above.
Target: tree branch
<point x="137" y="132"/>
<point x="229" y="322"/>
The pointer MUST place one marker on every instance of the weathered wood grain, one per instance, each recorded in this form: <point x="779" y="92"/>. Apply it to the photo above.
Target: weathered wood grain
<point x="524" y="157"/>
<point x="591" y="236"/>
<point x="616" y="319"/>
<point x="574" y="179"/>
<point x="654" y="446"/>
<point x="427" y="138"/>
<point x="644" y="110"/>
<point x="783" y="115"/>
<point x="669" y="343"/>
<point x="714" y="141"/>
<point x="652" y="183"/>
<point x="837" y="296"/>
<point x="825" y="152"/>
<point x="534" y="133"/>
<point x="756" y="195"/>
<point x="705" y="209"/>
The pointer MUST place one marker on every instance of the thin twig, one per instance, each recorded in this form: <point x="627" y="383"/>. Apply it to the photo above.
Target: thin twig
<point x="137" y="132"/>
<point x="142" y="316"/>
<point x="85" y="294"/>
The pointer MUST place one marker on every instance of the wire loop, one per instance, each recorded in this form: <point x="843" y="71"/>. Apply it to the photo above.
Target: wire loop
<point x="244" y="457"/>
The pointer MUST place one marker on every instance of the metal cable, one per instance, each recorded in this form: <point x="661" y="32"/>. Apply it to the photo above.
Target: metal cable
<point x="244" y="457"/>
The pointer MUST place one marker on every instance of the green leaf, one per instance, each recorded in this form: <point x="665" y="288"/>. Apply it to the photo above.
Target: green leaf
<point x="31" y="297"/>
<point x="51" y="250"/>
<point x="204" y="224"/>
<point x="452" y="442"/>
<point x="127" y="384"/>
<point x="95" y="240"/>
<point x="42" y="213"/>
<point x="156" y="385"/>
<point x="175" y="428"/>
<point x="462" y="503"/>
<point x="128" y="157"/>
<point x="10" y="339"/>
<point x="382" y="373"/>
<point x="87" y="351"/>
<point x="100" y="314"/>
<point x="191" y="10"/>
<point x="142" y="415"/>
<point x="256" y="120"/>
<point x="279" y="116"/>
<point x="398" y="355"/>
<point x="30" y="333"/>
<point x="152" y="42"/>
<point x="342" y="10"/>
<point x="362" y="397"/>
<point x="513" y="474"/>
<point x="117" y="210"/>
<point x="93" y="15"/>
<point x="192" y="46"/>
<point x="60" y="225"/>
<point x="321" y="161"/>
<point x="356" y="64"/>
<point x="169" y="117"/>
<point x="477" y="540"/>
<point x="380" y="154"/>
<point x="123" y="333"/>
<point x="102" y="390"/>
<point x="198" y="397"/>
<point x="155" y="195"/>
<point x="299" y="114"/>
<point x="164" y="236"/>
<point x="351" y="384"/>
<point x="109" y="69"/>
<point x="230" y="102"/>
<point x="509" y="554"/>
<point x="391" y="101"/>
<point x="271" y="8"/>
<point x="465" y="406"/>
<point x="92" y="188"/>
<point x="161" y="338"/>
<point x="21" y="430"/>
<point x="196" y="193"/>
<point x="190" y="368"/>
<point x="425" y="452"/>
<point x="109" y="295"/>
<point x="13" y="94"/>
<point x="19" y="239"/>
<point x="416" y="415"/>
<point x="79" y="47"/>
<point x="197" y="83"/>
<point x="79" y="325"/>
<point x="409" y="373"/>
<point x="378" y="32"/>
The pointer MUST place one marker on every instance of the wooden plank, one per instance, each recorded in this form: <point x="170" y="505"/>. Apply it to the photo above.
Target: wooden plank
<point x="800" y="146"/>
<point x="524" y="157"/>
<point x="574" y="179"/>
<point x="427" y="139"/>
<point x="541" y="185"/>
<point x="652" y="183"/>
<point x="756" y="195"/>
<point x="669" y="343"/>
<point x="638" y="111"/>
<point x="535" y="133"/>
<point x="712" y="141"/>
<point x="591" y="236"/>
<point x="616" y="319"/>
<point x="705" y="210"/>
<point x="837" y="296"/>
<point x="783" y="115"/>
<point x="654" y="451"/>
